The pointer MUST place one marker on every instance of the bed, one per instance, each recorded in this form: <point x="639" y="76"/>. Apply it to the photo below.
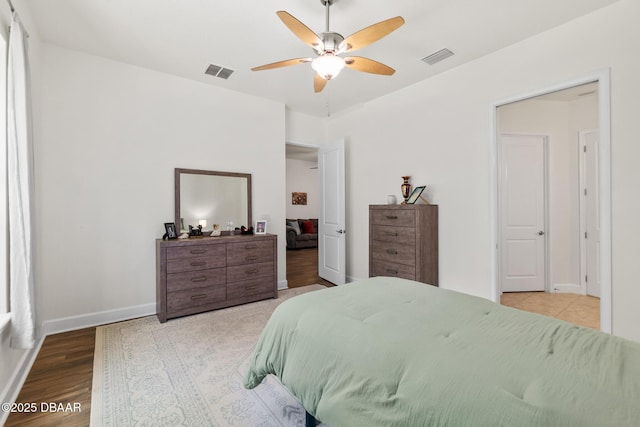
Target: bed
<point x="393" y="352"/>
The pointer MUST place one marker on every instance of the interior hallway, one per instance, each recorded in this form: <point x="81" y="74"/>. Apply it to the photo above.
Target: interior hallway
<point x="582" y="310"/>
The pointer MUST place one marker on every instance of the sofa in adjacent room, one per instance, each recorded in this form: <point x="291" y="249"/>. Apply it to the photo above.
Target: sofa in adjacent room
<point x="302" y="233"/>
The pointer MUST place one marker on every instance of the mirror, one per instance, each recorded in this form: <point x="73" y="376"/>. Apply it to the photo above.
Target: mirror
<point x="210" y="197"/>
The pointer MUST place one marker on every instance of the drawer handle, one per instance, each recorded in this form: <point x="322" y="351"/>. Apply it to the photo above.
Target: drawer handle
<point x="251" y="258"/>
<point x="199" y="279"/>
<point x="252" y="271"/>
<point x="395" y="272"/>
<point x="391" y="217"/>
<point x="197" y="297"/>
<point x="388" y="233"/>
<point x="198" y="251"/>
<point x="198" y="264"/>
<point x="250" y="288"/>
<point x="392" y="251"/>
<point x="251" y="246"/>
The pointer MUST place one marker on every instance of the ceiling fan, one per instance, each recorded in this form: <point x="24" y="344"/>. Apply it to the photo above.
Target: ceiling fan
<point x="329" y="45"/>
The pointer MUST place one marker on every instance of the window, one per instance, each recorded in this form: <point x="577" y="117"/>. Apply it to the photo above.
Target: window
<point x="4" y="275"/>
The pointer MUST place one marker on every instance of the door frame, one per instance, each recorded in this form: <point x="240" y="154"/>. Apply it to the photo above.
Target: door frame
<point x="547" y="223"/>
<point x="583" y="211"/>
<point x="297" y="144"/>
<point x="602" y="77"/>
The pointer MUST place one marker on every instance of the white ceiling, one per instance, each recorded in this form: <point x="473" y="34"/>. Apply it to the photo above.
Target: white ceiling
<point x="182" y="37"/>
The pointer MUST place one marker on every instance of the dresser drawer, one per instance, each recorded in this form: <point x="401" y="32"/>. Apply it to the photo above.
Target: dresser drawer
<point x="249" y="253"/>
<point x="194" y="264"/>
<point x="402" y="254"/>
<point x="397" y="217"/>
<point x="392" y="234"/>
<point x="382" y="268"/>
<point x="209" y="251"/>
<point x="195" y="297"/>
<point x="196" y="279"/>
<point x="251" y="271"/>
<point x="249" y="287"/>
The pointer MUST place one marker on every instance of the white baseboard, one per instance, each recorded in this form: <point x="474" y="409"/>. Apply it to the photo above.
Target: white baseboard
<point x="13" y="387"/>
<point x="566" y="288"/>
<point x="283" y="284"/>
<point x="95" y="319"/>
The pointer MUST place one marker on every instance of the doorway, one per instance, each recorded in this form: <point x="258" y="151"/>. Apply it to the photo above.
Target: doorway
<point x="561" y="236"/>
<point x="302" y="187"/>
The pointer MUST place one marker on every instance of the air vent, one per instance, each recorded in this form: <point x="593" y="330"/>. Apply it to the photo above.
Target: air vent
<point x="218" y="71"/>
<point x="437" y="56"/>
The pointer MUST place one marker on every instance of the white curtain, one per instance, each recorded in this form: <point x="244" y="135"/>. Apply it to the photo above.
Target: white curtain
<point x="20" y="190"/>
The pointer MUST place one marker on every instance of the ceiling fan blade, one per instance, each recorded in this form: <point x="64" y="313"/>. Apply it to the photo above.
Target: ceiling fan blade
<point x="299" y="29"/>
<point x="371" y="34"/>
<point x="367" y="65"/>
<point x="280" y="64"/>
<point x="319" y="83"/>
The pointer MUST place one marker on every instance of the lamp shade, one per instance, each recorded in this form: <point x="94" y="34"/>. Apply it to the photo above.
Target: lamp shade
<point x="328" y="66"/>
<point x="203" y="223"/>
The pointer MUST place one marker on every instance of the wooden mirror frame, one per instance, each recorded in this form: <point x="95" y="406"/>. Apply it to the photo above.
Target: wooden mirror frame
<point x="179" y="171"/>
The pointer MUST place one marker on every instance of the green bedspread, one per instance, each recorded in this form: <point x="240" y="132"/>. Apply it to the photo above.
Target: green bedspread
<point x="392" y="352"/>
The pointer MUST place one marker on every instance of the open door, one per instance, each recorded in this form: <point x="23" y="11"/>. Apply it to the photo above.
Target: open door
<point x="331" y="220"/>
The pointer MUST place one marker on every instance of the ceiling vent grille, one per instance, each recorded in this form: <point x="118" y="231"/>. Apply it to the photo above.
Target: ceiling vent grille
<point x="437" y="56"/>
<point x="218" y="71"/>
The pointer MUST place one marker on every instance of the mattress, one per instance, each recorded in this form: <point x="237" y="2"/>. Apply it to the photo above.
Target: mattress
<point x="393" y="352"/>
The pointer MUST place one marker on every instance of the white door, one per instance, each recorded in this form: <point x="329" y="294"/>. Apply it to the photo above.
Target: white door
<point x="591" y="205"/>
<point x="522" y="205"/>
<point x="331" y="220"/>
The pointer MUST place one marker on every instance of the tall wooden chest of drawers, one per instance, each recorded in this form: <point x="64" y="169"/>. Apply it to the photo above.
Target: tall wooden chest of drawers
<point x="403" y="242"/>
<point x="202" y="274"/>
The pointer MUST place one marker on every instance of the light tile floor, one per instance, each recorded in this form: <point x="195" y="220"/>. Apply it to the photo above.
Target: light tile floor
<point x="583" y="310"/>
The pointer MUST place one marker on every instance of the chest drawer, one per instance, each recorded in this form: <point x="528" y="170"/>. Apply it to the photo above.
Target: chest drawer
<point x="251" y="271"/>
<point x="194" y="264"/>
<point x="392" y="234"/>
<point x="397" y="253"/>
<point x="193" y="297"/>
<point x="249" y="287"/>
<point x="393" y="217"/>
<point x="200" y="251"/>
<point x="249" y="253"/>
<point x="196" y="279"/>
<point x="384" y="268"/>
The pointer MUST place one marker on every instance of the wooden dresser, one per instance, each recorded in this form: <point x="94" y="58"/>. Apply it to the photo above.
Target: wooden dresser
<point x="403" y="242"/>
<point x="202" y="274"/>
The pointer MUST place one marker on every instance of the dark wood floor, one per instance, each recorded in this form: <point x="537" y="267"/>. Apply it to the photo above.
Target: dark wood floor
<point x="63" y="370"/>
<point x="61" y="374"/>
<point x="302" y="268"/>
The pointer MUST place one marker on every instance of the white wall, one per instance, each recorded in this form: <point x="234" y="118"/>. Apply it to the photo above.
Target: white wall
<point x="111" y="136"/>
<point x="305" y="129"/>
<point x="302" y="176"/>
<point x="439" y="131"/>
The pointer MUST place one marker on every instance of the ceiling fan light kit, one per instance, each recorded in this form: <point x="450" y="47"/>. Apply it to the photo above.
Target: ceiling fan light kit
<point x="328" y="66"/>
<point x="329" y="45"/>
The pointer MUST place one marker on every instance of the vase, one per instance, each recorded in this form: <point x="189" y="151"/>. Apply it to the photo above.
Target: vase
<point x="406" y="189"/>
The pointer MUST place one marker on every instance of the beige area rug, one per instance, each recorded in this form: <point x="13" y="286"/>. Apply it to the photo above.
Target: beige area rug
<point x="188" y="371"/>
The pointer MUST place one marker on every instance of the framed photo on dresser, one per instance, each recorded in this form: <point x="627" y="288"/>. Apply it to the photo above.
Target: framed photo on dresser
<point x="415" y="194"/>
<point x="170" y="231"/>
<point x="261" y="227"/>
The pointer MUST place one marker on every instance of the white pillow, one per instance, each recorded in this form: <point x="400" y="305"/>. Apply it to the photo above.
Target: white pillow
<point x="295" y="226"/>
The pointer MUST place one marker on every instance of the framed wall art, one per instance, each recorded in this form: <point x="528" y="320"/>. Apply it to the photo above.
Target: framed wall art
<point x="298" y="198"/>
